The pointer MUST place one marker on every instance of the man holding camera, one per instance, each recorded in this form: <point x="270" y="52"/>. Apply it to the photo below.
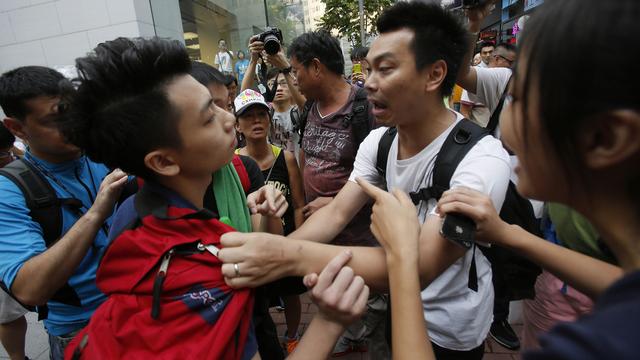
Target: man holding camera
<point x="224" y="58"/>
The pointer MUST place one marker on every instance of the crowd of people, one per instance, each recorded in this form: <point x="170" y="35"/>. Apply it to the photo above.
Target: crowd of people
<point x="161" y="205"/>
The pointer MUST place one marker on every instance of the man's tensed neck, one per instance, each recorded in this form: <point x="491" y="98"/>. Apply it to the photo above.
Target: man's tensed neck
<point x="429" y="122"/>
<point x="333" y="93"/>
<point x="281" y="105"/>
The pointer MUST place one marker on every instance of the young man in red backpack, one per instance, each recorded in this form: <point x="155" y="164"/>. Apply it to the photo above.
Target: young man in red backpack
<point x="138" y="108"/>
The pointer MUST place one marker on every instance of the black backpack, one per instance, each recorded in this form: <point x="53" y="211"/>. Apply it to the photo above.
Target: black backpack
<point x="519" y="273"/>
<point x="46" y="209"/>
<point x="358" y="119"/>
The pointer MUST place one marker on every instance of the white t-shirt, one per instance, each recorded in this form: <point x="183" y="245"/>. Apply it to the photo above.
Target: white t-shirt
<point x="458" y="318"/>
<point x="490" y="85"/>
<point x="223" y="59"/>
<point x="479" y="113"/>
<point x="282" y="134"/>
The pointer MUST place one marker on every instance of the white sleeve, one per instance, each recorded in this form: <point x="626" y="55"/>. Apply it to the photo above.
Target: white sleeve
<point x="490" y="85"/>
<point x="486" y="168"/>
<point x="365" y="164"/>
<point x="216" y="60"/>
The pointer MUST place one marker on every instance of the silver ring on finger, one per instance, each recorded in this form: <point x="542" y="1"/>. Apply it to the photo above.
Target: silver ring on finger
<point x="236" y="267"/>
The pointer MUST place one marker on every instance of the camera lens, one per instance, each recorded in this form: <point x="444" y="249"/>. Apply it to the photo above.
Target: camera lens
<point x="271" y="44"/>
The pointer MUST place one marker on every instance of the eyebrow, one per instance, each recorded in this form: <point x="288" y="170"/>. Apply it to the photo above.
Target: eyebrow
<point x="206" y="106"/>
<point x="380" y="57"/>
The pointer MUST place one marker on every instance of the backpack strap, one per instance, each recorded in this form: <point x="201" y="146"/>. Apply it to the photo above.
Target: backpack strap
<point x="242" y="172"/>
<point x="45" y="208"/>
<point x="461" y="139"/>
<point x="495" y="115"/>
<point x="41" y="199"/>
<point x="359" y="117"/>
<point x="384" y="146"/>
<point x="303" y="119"/>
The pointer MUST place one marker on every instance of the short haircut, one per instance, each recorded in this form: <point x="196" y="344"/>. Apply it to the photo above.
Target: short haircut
<point x="438" y="35"/>
<point x="359" y="53"/>
<point x="6" y="137"/>
<point x="230" y="79"/>
<point x="485" y="44"/>
<point x="318" y="45"/>
<point x="272" y="73"/>
<point x="121" y="111"/>
<point x="508" y="47"/>
<point x="206" y="74"/>
<point x="28" y="82"/>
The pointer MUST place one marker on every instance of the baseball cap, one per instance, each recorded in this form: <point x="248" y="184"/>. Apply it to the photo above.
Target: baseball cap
<point x="248" y="98"/>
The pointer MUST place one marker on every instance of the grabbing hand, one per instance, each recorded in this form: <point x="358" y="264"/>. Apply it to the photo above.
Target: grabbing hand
<point x="477" y="14"/>
<point x="477" y="206"/>
<point x="255" y="48"/>
<point x="341" y="295"/>
<point x="252" y="259"/>
<point x="358" y="76"/>
<point x="109" y="192"/>
<point x="267" y="201"/>
<point x="278" y="60"/>
<point x="315" y="205"/>
<point x="394" y="221"/>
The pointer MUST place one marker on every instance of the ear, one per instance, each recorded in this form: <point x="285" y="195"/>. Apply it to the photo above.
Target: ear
<point x="16" y="127"/>
<point x="435" y="75"/>
<point x="611" y="139"/>
<point x="315" y="66"/>
<point x="162" y="163"/>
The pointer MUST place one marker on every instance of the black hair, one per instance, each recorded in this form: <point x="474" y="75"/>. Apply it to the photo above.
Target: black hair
<point x="573" y="88"/>
<point x="438" y="35"/>
<point x="508" y="47"/>
<point x="6" y="137"/>
<point x="121" y="110"/>
<point x="241" y="52"/>
<point x="272" y="73"/>
<point x="28" y="82"/>
<point x="206" y="74"/>
<point x="318" y="45"/>
<point x="485" y="44"/>
<point x="359" y="53"/>
<point x="230" y="79"/>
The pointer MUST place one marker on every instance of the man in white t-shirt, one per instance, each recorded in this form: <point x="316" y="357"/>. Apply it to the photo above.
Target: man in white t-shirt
<point x="492" y="81"/>
<point x="224" y="58"/>
<point x="406" y="87"/>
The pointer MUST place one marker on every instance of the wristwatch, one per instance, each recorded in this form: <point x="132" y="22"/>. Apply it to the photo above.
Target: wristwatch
<point x="285" y="70"/>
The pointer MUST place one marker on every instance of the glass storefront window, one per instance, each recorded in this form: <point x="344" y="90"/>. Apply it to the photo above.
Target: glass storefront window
<point x="206" y="22"/>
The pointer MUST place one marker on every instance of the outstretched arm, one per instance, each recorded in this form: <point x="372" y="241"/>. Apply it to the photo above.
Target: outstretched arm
<point x="41" y="276"/>
<point x="255" y="48"/>
<point x="467" y="78"/>
<point x="588" y="275"/>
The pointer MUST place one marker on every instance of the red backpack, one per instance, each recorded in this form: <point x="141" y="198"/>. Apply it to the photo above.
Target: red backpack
<point x="167" y="298"/>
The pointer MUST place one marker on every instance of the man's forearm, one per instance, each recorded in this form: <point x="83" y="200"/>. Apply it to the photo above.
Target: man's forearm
<point x="297" y="97"/>
<point x="588" y="275"/>
<point x="41" y="276"/>
<point x="323" y="226"/>
<point x="305" y="257"/>
<point x="249" y="74"/>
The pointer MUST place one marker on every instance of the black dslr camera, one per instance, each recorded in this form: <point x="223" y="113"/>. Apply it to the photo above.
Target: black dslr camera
<point x="272" y="38"/>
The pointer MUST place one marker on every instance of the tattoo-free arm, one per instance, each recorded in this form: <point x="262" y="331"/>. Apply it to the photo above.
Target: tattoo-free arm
<point x="297" y="189"/>
<point x="588" y="275"/>
<point x="41" y="276"/>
